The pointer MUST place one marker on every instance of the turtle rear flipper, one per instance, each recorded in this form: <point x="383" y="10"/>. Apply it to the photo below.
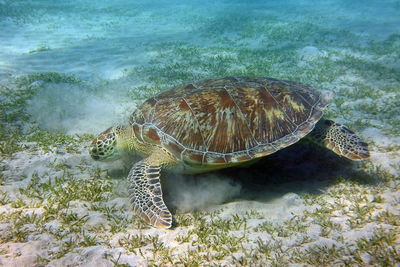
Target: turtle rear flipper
<point x="339" y="139"/>
<point x="146" y="194"/>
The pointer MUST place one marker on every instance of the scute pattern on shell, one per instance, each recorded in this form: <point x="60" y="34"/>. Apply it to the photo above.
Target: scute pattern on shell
<point x="231" y="119"/>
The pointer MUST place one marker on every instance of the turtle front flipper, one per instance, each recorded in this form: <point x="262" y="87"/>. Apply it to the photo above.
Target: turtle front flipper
<point x="339" y="139"/>
<point x="146" y="194"/>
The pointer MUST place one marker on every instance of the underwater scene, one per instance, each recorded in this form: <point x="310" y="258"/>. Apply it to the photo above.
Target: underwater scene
<point x="278" y="144"/>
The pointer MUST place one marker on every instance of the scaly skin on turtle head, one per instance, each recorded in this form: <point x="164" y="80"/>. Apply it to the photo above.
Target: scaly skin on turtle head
<point x="109" y="145"/>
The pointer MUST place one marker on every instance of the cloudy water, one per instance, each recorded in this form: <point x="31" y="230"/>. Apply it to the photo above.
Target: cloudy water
<point x="71" y="69"/>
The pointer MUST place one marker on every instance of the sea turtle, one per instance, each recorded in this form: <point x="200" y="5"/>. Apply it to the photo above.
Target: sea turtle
<point x="214" y="124"/>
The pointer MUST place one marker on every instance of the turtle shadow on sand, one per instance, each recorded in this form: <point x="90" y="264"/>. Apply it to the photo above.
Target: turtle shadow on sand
<point x="302" y="168"/>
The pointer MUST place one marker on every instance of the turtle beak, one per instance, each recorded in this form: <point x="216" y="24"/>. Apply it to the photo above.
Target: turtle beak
<point x="93" y="153"/>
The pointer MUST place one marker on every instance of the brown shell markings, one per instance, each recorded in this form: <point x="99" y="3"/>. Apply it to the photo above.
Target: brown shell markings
<point x="231" y="119"/>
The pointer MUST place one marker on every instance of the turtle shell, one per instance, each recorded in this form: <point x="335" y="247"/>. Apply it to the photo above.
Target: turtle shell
<point x="228" y="120"/>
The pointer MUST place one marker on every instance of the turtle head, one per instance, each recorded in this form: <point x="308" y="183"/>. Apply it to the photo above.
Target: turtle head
<point x="109" y="145"/>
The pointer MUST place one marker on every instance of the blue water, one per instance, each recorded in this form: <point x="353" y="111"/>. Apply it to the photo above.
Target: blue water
<point x="104" y="37"/>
